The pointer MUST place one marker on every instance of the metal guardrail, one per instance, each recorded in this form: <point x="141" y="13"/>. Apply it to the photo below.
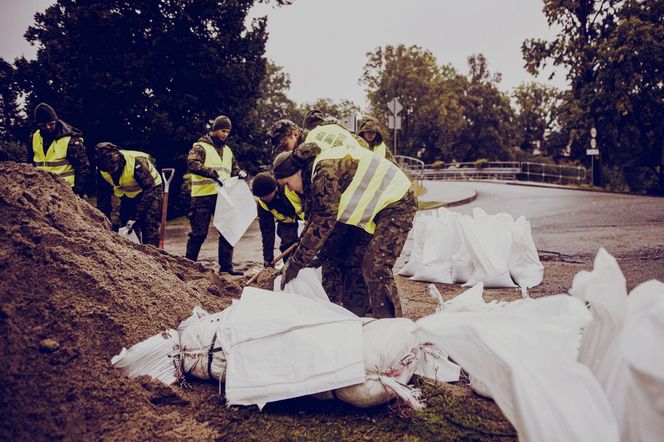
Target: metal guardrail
<point x="495" y="170"/>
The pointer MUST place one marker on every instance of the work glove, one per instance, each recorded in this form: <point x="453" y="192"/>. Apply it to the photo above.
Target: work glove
<point x="218" y="180"/>
<point x="242" y="175"/>
<point x="315" y="263"/>
<point x="288" y="273"/>
<point x="267" y="263"/>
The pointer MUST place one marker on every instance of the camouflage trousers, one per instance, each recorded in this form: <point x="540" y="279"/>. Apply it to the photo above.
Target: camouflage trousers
<point x="392" y="226"/>
<point x="200" y="215"/>
<point x="341" y="257"/>
<point x="145" y="209"/>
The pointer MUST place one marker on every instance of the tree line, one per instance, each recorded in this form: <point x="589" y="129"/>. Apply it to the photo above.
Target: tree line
<point x="150" y="74"/>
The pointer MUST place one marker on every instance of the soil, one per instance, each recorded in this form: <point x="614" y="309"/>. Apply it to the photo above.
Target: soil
<point x="73" y="293"/>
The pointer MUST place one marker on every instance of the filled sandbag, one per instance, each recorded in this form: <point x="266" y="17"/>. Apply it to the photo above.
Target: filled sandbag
<point x="307" y="283"/>
<point x="442" y="241"/>
<point x="157" y="357"/>
<point x="418" y="233"/>
<point x="523" y="262"/>
<point x="197" y="313"/>
<point x="202" y="354"/>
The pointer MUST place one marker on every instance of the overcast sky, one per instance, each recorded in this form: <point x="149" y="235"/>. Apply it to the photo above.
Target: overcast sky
<point x="322" y="44"/>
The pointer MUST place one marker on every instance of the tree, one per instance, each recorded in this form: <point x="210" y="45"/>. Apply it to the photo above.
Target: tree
<point x="612" y="50"/>
<point x="172" y="66"/>
<point x="342" y="109"/>
<point x="535" y="119"/>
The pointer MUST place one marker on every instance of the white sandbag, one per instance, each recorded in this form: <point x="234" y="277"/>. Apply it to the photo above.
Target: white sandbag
<point x="419" y="236"/>
<point x="280" y="345"/>
<point x="523" y="262"/>
<point x="235" y="209"/>
<point x="442" y="241"/>
<point x="202" y="354"/>
<point x="307" y="283"/>
<point x="157" y="357"/>
<point x="623" y="348"/>
<point x="520" y="355"/>
<point x="197" y="313"/>
<point x="488" y="239"/>
<point x="391" y="356"/>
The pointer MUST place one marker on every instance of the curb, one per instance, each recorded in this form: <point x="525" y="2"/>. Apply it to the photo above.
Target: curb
<point x="452" y="203"/>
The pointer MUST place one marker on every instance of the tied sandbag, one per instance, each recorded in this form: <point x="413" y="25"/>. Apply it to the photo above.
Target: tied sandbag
<point x="442" y="240"/>
<point x="235" y="209"/>
<point x="202" y="354"/>
<point x="197" y="313"/>
<point x="391" y="357"/>
<point x="523" y="355"/>
<point x="418" y="233"/>
<point x="622" y="346"/>
<point x="157" y="357"/>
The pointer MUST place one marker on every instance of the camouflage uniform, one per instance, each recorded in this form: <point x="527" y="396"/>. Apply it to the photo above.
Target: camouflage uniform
<point x="371" y="124"/>
<point x="76" y="153"/>
<point x="202" y="207"/>
<point x="378" y="252"/>
<point x="144" y="208"/>
<point x="287" y="231"/>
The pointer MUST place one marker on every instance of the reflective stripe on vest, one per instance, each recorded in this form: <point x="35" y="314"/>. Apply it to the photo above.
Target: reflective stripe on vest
<point x="295" y="201"/>
<point x="329" y="136"/>
<point x="376" y="184"/>
<point x="203" y="186"/>
<point x="380" y="149"/>
<point x="277" y="215"/>
<point x="55" y="158"/>
<point x="128" y="185"/>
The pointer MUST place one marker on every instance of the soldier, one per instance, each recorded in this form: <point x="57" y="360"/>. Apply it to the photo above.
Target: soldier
<point x="284" y="136"/>
<point x="358" y="188"/>
<point x="326" y="133"/>
<point x="370" y="132"/>
<point x="58" y="148"/>
<point x="274" y="206"/>
<point x="209" y="162"/>
<point x="130" y="176"/>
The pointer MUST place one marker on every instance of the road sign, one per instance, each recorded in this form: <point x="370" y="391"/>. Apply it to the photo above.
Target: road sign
<point x="593" y="143"/>
<point x="394" y="106"/>
<point x="592" y="151"/>
<point x="393" y="122"/>
<point x="593" y="132"/>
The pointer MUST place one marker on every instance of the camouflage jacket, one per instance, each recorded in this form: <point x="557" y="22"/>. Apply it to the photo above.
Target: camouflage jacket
<point x="77" y="154"/>
<point x="196" y="159"/>
<point x="150" y="191"/>
<point x="266" y="222"/>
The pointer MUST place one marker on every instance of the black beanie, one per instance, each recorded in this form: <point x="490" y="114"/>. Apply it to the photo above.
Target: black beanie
<point x="312" y="119"/>
<point x="221" y="122"/>
<point x="285" y="165"/>
<point x="263" y="184"/>
<point x="45" y="113"/>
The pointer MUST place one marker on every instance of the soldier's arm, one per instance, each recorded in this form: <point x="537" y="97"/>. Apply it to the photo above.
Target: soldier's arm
<point x="195" y="161"/>
<point x="389" y="156"/>
<point x="151" y="194"/>
<point x="78" y="157"/>
<point x="325" y="191"/>
<point x="266" y="224"/>
<point x="104" y="195"/>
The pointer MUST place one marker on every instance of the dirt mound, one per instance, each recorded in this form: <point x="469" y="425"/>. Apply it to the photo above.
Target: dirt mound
<point x="72" y="294"/>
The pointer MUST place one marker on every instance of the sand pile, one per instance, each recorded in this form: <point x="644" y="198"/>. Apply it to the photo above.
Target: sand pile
<point x="72" y="294"/>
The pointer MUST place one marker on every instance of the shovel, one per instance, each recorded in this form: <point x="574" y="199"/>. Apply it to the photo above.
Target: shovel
<point x="167" y="175"/>
<point x="274" y="261"/>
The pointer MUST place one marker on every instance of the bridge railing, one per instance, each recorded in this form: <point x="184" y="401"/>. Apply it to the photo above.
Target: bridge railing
<point x="495" y="170"/>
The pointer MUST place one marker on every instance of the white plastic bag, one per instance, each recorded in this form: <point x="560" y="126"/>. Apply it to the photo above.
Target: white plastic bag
<point x="157" y="357"/>
<point x="202" y="354"/>
<point x="235" y="209"/>
<point x="524" y="264"/>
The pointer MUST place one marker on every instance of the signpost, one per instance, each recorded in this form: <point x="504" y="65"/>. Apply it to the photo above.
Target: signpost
<point x="394" y="121"/>
<point x="593" y="152"/>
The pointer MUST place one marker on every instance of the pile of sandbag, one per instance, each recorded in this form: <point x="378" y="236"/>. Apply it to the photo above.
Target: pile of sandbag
<point x="493" y="249"/>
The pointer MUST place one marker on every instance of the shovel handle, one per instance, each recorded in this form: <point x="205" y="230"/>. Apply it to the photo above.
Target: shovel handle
<point x="274" y="261"/>
<point x="167" y="174"/>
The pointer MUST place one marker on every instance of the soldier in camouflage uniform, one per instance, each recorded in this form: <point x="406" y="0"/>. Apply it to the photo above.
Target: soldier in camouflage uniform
<point x="322" y="194"/>
<point x="139" y="188"/>
<point x="58" y="148"/>
<point x="284" y="136"/>
<point x="274" y="206"/>
<point x="202" y="207"/>
<point x="370" y="132"/>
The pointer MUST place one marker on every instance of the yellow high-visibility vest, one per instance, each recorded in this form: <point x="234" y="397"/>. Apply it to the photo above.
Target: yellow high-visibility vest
<point x="203" y="186"/>
<point x="377" y="183"/>
<point x="55" y="159"/>
<point x="380" y="149"/>
<point x="128" y="186"/>
<point x="277" y="215"/>
<point x="295" y="200"/>
<point x="328" y="136"/>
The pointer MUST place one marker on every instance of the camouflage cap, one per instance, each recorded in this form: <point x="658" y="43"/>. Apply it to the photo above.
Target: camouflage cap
<point x="280" y="130"/>
<point x="108" y="156"/>
<point x="312" y="119"/>
<point x="368" y="124"/>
